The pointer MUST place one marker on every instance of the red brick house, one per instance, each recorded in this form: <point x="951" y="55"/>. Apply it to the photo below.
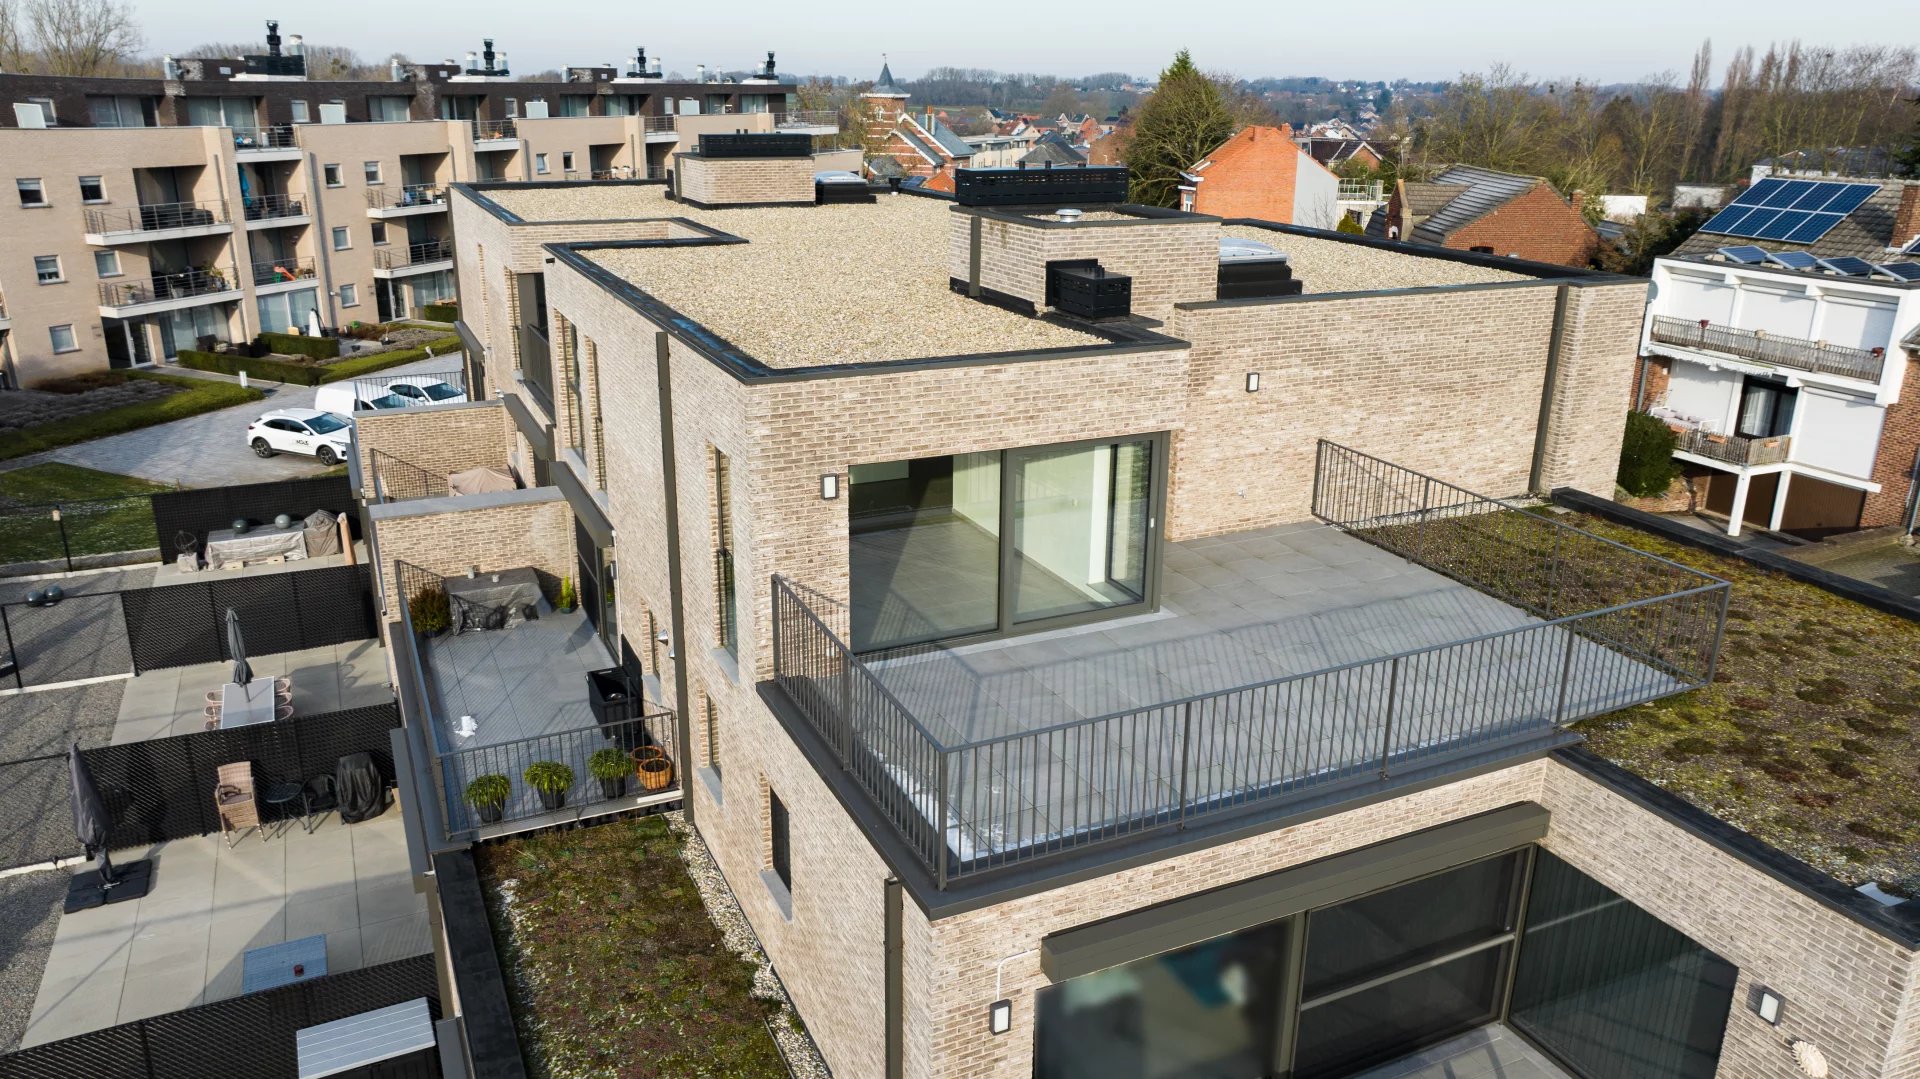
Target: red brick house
<point x="921" y="145"/>
<point x="1261" y="172"/>
<point x="1496" y="213"/>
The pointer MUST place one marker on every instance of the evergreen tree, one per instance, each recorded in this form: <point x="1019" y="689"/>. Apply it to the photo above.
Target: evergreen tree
<point x="1182" y="121"/>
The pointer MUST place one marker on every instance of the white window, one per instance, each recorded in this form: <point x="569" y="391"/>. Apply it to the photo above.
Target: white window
<point x="513" y="108"/>
<point x="46" y="108"/>
<point x="31" y="192"/>
<point x="566" y="161"/>
<point x="540" y="163"/>
<point x="389" y="109"/>
<point x="373" y="172"/>
<point x="106" y="263"/>
<point x="62" y="338"/>
<point x="92" y="190"/>
<point x="331" y="173"/>
<point x="379" y="230"/>
<point x="342" y="239"/>
<point x="47" y="269"/>
<point x="349" y="296"/>
<point x="299" y="111"/>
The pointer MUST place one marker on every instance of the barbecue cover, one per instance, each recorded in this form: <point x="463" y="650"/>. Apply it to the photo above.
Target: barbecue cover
<point x="480" y="481"/>
<point x="362" y="794"/>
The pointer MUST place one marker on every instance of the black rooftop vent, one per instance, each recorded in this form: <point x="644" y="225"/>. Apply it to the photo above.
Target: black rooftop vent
<point x="1083" y="287"/>
<point x="1079" y="184"/>
<point x="756" y="145"/>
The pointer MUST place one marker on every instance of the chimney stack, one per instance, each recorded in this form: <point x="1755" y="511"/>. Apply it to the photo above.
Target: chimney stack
<point x="1906" y="219"/>
<point x="273" y="37"/>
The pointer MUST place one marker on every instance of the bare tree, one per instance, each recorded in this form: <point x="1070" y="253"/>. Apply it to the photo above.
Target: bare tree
<point x="12" y="52"/>
<point x="81" y="37"/>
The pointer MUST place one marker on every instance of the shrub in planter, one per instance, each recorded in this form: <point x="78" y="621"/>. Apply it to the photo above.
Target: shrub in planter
<point x="430" y="611"/>
<point x="488" y="796"/>
<point x="610" y="767"/>
<point x="567" y="600"/>
<point x="1647" y="466"/>
<point x="552" y="780"/>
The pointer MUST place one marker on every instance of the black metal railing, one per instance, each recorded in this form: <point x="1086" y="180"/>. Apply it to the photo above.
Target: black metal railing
<point x="1615" y="627"/>
<point x="182" y="284"/>
<point x="157" y="217"/>
<point x="268" y="207"/>
<point x="536" y="364"/>
<point x="271" y="137"/>
<point x="396" y="258"/>
<point x="725" y="600"/>
<point x="381" y="198"/>
<point x="484" y="130"/>
<point x="1734" y="449"/>
<point x="395" y="480"/>
<point x="1777" y="349"/>
<point x="279" y="271"/>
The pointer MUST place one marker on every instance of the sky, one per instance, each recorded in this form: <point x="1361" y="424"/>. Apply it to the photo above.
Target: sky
<point x="1617" y="41"/>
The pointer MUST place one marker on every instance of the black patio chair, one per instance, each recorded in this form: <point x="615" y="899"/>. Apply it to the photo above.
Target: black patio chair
<point x="319" y="796"/>
<point x="187" y="545"/>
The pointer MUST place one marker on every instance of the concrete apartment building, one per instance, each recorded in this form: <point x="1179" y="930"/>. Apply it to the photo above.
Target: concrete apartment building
<point x="236" y="195"/>
<point x="1791" y="369"/>
<point x="1070" y="696"/>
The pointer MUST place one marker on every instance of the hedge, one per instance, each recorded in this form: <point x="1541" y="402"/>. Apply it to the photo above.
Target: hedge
<point x="380" y="361"/>
<point x="293" y="344"/>
<point x="440" y="312"/>
<point x="314" y="375"/>
<point x="197" y="395"/>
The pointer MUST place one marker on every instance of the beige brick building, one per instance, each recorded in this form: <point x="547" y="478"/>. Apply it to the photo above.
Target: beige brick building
<point x="1037" y="713"/>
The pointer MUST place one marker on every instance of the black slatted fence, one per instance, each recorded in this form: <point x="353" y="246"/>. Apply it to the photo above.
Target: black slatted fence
<point x="246" y="1037"/>
<point x="180" y="624"/>
<point x="205" y="509"/>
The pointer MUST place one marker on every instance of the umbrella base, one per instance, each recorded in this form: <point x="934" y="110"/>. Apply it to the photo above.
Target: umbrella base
<point x="131" y="880"/>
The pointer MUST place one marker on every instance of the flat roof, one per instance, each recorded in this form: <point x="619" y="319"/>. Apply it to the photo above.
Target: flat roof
<point x="547" y="203"/>
<point x="1327" y="266"/>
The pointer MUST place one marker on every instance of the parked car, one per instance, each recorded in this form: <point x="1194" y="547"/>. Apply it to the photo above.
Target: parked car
<point x="343" y="399"/>
<point x="425" y="390"/>
<point x="301" y="430"/>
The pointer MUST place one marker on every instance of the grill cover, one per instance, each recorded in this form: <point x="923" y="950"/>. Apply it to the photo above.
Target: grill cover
<point x="362" y="794"/>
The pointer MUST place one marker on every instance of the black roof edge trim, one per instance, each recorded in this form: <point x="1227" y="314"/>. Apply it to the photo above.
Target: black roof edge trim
<point x="1138" y="210"/>
<point x="1571" y="275"/>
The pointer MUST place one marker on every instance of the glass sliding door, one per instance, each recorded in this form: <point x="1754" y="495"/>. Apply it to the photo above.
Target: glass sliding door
<point x="1080" y="516"/>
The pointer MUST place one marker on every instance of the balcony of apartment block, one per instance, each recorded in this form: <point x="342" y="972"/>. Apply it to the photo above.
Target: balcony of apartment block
<point x="1695" y="441"/>
<point x="158" y="221"/>
<point x="275" y="211"/>
<point x="170" y="291"/>
<point x="1773" y="350"/>
<point x="1414" y="632"/>
<point x="429" y="257"/>
<point x="283" y="275"/>
<point x="495" y="135"/>
<point x="660" y="128"/>
<point x="807" y="122"/>
<point x="409" y="201"/>
<point x="275" y="142"/>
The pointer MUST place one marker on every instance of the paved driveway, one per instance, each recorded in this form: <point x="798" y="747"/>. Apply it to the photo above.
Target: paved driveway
<point x="208" y="450"/>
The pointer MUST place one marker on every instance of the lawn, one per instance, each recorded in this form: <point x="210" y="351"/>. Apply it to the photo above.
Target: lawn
<point x="1807" y="738"/>
<point x="102" y="512"/>
<point x="197" y="395"/>
<point x="616" y="968"/>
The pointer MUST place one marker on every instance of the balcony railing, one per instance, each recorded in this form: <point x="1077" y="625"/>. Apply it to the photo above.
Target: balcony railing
<point x="395" y="258"/>
<point x="1361" y="191"/>
<point x="807" y="118"/>
<point x="651" y="124"/>
<point x="183" y="284"/>
<point x="382" y="198"/>
<point x="267" y="207"/>
<point x="494" y="129"/>
<point x="1734" y="449"/>
<point x="272" y="137"/>
<point x="1613" y="627"/>
<point x="278" y="271"/>
<point x="1776" y="349"/>
<point x="395" y="480"/>
<point x="157" y="217"/>
<point x="536" y="364"/>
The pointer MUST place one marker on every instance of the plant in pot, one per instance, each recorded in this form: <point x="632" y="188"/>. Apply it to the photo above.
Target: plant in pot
<point x="488" y="796"/>
<point x="566" y="594"/>
<point x="429" y="611"/>
<point x="552" y="780"/>
<point x="610" y="767"/>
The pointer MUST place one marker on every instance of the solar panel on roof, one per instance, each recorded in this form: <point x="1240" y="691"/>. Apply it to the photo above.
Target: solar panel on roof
<point x="1848" y="265"/>
<point x="1748" y="255"/>
<point x="1796" y="211"/>
<point x="1912" y="248"/>
<point x="1905" y="271"/>
<point x="1792" y="260"/>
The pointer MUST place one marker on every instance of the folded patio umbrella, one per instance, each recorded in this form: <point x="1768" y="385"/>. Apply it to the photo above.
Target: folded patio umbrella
<point x="90" y="821"/>
<point x="242" y="674"/>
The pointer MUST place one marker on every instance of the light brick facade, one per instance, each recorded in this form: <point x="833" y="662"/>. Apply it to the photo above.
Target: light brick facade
<point x="1894" y="464"/>
<point x="436" y="439"/>
<point x="1171" y="260"/>
<point x="448" y="536"/>
<point x="743" y="181"/>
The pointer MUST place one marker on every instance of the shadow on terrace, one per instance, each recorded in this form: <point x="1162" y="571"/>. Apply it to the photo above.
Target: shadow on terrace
<point x="1422" y="629"/>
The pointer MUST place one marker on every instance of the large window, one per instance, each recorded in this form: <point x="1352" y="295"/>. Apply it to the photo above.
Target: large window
<point x="1766" y="408"/>
<point x="726" y="596"/>
<point x="976" y="543"/>
<point x="288" y="312"/>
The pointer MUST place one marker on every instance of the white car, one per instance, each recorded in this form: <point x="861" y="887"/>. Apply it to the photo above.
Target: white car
<point x="301" y="430"/>
<point x="343" y="399"/>
<point x="425" y="390"/>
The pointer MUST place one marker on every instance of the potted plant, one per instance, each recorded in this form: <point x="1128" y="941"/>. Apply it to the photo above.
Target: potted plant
<point x="488" y="796"/>
<point x="552" y="779"/>
<point x="610" y="767"/>
<point x="429" y="611"/>
<point x="656" y="771"/>
<point x="566" y="595"/>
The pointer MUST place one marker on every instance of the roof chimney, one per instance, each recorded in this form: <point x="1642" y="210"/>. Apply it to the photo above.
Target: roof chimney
<point x="273" y="37"/>
<point x="1906" y="219"/>
<point x="699" y="73"/>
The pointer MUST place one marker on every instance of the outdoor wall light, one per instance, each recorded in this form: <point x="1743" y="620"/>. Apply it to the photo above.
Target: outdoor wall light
<point x="830" y="486"/>
<point x="1000" y="1017"/>
<point x="1768" y="1005"/>
<point x="1253" y="382"/>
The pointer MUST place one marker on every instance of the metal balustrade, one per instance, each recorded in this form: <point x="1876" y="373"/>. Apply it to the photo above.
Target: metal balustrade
<point x="394" y="258"/>
<point x="277" y="271"/>
<point x="207" y="281"/>
<point x="383" y="198"/>
<point x="1734" y="449"/>
<point x="272" y="137"/>
<point x="484" y="130"/>
<point x="267" y="207"/>
<point x="1776" y="349"/>
<point x="157" y="217"/>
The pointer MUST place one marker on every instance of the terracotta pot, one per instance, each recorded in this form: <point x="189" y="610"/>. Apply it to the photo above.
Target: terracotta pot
<point x="643" y="754"/>
<point x="656" y="774"/>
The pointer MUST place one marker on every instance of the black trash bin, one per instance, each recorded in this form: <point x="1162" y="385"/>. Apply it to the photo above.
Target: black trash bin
<point x="613" y="701"/>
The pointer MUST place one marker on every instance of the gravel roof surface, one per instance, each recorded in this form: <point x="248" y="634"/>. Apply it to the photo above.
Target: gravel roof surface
<point x="844" y="284"/>
<point x="1332" y="266"/>
<point x="29" y="913"/>
<point x="589" y="202"/>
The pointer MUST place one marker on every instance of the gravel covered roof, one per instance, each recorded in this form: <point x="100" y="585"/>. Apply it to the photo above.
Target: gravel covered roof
<point x="586" y="202"/>
<point x="857" y="283"/>
<point x="1335" y="266"/>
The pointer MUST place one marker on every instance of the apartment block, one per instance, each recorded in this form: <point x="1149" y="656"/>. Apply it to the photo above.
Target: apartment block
<point x="235" y="195"/>
<point x="1075" y="672"/>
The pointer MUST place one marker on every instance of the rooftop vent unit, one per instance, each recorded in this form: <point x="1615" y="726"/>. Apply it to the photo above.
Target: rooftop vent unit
<point x="835" y="186"/>
<point x="491" y="63"/>
<point x="1083" y="184"/>
<point x="639" y="69"/>
<point x="275" y="64"/>
<point x="1083" y="287"/>
<point x="1250" y="270"/>
<point x="714" y="145"/>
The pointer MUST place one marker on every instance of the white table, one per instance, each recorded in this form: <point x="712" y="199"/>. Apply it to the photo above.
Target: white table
<point x="224" y="547"/>
<point x="242" y="706"/>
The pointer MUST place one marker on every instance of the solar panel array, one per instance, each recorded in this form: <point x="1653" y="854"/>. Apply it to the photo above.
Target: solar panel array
<point x="1746" y="256"/>
<point x="1905" y="271"/>
<point x="1790" y="211"/>
<point x="1847" y="264"/>
<point x="1792" y="260"/>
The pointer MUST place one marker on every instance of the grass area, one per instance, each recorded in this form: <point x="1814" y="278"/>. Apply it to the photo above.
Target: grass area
<point x="1807" y="739"/>
<point x="102" y="511"/>
<point x="616" y="968"/>
<point x="197" y="395"/>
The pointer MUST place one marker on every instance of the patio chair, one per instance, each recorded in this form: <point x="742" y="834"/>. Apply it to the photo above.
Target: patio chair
<point x="283" y="684"/>
<point x="214" y="698"/>
<point x="213" y="717"/>
<point x="187" y="546"/>
<point x="319" y="795"/>
<point x="233" y="800"/>
<point x="282" y="713"/>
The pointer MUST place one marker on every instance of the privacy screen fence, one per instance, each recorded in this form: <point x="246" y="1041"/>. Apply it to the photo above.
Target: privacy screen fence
<point x="199" y="511"/>
<point x="246" y="1037"/>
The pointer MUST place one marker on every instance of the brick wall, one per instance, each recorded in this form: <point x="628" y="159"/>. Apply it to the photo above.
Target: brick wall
<point x="1538" y="225"/>
<point x="1171" y="261"/>
<point x="501" y="531"/>
<point x="438" y="439"/>
<point x="1598" y="348"/>
<point x="1899" y="442"/>
<point x="733" y="181"/>
<point x="1252" y="175"/>
<point x="1651" y="376"/>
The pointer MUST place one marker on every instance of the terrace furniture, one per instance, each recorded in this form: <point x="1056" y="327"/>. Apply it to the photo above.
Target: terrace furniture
<point x="361" y="792"/>
<point x="485" y="603"/>
<point x="233" y="799"/>
<point x="228" y="549"/>
<point x="480" y="481"/>
<point x="242" y="706"/>
<point x="323" y="533"/>
<point x="188" y="547"/>
<point x="317" y="796"/>
<point x="283" y="964"/>
<point x="279" y="794"/>
<point x="213" y="718"/>
<point x="282" y="713"/>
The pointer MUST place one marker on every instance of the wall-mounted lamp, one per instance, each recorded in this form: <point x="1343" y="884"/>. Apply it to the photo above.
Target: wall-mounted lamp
<point x="830" y="486"/>
<point x="1253" y="382"/>
<point x="1000" y="1017"/>
<point x="1768" y="1005"/>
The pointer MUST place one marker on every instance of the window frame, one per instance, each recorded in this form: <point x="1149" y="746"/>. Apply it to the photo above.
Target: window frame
<point x="53" y="341"/>
<point x="341" y="232"/>
<point x="99" y="184"/>
<point x="779" y="842"/>
<point x="566" y="161"/>
<point x="48" y="109"/>
<point x="59" y="270"/>
<point x="540" y="163"/>
<point x="373" y="172"/>
<point x="112" y="254"/>
<point x="349" y="294"/>
<point x="378" y="230"/>
<point x="297" y="109"/>
<point x="331" y="176"/>
<point x="36" y="186"/>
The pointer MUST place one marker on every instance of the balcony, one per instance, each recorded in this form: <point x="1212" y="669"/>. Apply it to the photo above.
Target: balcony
<point x="536" y="365"/>
<point x="1361" y="191"/>
<point x="495" y="135"/>
<point x="275" y="211"/>
<point x="1775" y="350"/>
<point x="1426" y="631"/>
<point x="272" y="143"/>
<point x="159" y="221"/>
<point x="1737" y="450"/>
<point x="808" y="122"/>
<point x="283" y="275"/>
<point x="169" y="292"/>
<point x="659" y="128"/>
<point x="406" y="201"/>
<point x="430" y="257"/>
